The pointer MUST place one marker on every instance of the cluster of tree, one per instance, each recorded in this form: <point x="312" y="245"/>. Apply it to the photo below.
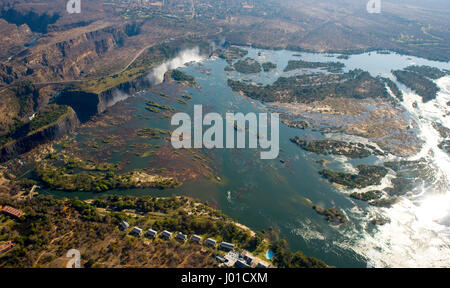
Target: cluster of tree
<point x="325" y="147"/>
<point x="48" y="115"/>
<point x="247" y="66"/>
<point x="332" y="67"/>
<point x="368" y="175"/>
<point x="356" y="84"/>
<point x="59" y="178"/>
<point x="413" y="77"/>
<point x="27" y="93"/>
<point x="285" y="258"/>
<point x="179" y="76"/>
<point x="268" y="66"/>
<point x="393" y="87"/>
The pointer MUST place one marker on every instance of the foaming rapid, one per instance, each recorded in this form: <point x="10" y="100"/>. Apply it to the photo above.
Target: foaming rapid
<point x="184" y="57"/>
<point x="418" y="234"/>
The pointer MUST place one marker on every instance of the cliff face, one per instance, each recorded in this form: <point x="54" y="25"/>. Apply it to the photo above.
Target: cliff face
<point x="64" y="125"/>
<point x="88" y="104"/>
<point x="81" y="52"/>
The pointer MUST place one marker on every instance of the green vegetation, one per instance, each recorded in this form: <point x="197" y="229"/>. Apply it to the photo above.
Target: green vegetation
<point x="48" y="115"/>
<point x="268" y="66"/>
<point x="78" y="175"/>
<point x="366" y="196"/>
<point x="232" y="53"/>
<point x="53" y="226"/>
<point x="367" y="176"/>
<point x="284" y="258"/>
<point x="155" y="107"/>
<point x="415" y="77"/>
<point x="181" y="77"/>
<point x="393" y="87"/>
<point x="309" y="88"/>
<point x="152" y="133"/>
<point x="332" y="67"/>
<point x="427" y="71"/>
<point x="27" y="94"/>
<point x="331" y="214"/>
<point x="385" y="202"/>
<point x="325" y="147"/>
<point x="296" y="124"/>
<point x="247" y="66"/>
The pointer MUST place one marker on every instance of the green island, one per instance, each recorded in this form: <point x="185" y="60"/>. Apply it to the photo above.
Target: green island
<point x="356" y="84"/>
<point x="367" y="196"/>
<point x="155" y="107"/>
<point x="332" y="215"/>
<point x="326" y="147"/>
<point x="332" y="67"/>
<point x="427" y="71"/>
<point x="419" y="79"/>
<point x="268" y="66"/>
<point x="183" y="78"/>
<point x="368" y="175"/>
<point x="247" y="66"/>
<point x="295" y="124"/>
<point x="384" y="203"/>
<point x="152" y="133"/>
<point x="231" y="54"/>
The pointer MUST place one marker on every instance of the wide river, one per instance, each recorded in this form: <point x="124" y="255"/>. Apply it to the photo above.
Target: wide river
<point x="269" y="193"/>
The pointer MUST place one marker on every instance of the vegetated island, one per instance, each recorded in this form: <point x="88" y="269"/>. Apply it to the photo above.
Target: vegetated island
<point x="332" y="215"/>
<point x="367" y="196"/>
<point x="268" y="66"/>
<point x="312" y="87"/>
<point x="332" y="67"/>
<point x="247" y="66"/>
<point x="368" y="175"/>
<point x="295" y="124"/>
<point x="326" y="147"/>
<point x="419" y="79"/>
<point x="183" y="78"/>
<point x="231" y="54"/>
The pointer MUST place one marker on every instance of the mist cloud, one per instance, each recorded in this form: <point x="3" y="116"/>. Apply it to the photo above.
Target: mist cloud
<point x="185" y="56"/>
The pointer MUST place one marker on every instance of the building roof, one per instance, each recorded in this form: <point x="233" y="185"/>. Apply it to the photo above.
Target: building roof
<point x="166" y="233"/>
<point x="196" y="238"/>
<point x="227" y="245"/>
<point x="12" y="211"/>
<point x="136" y="230"/>
<point x="151" y="232"/>
<point x="181" y="236"/>
<point x="210" y="241"/>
